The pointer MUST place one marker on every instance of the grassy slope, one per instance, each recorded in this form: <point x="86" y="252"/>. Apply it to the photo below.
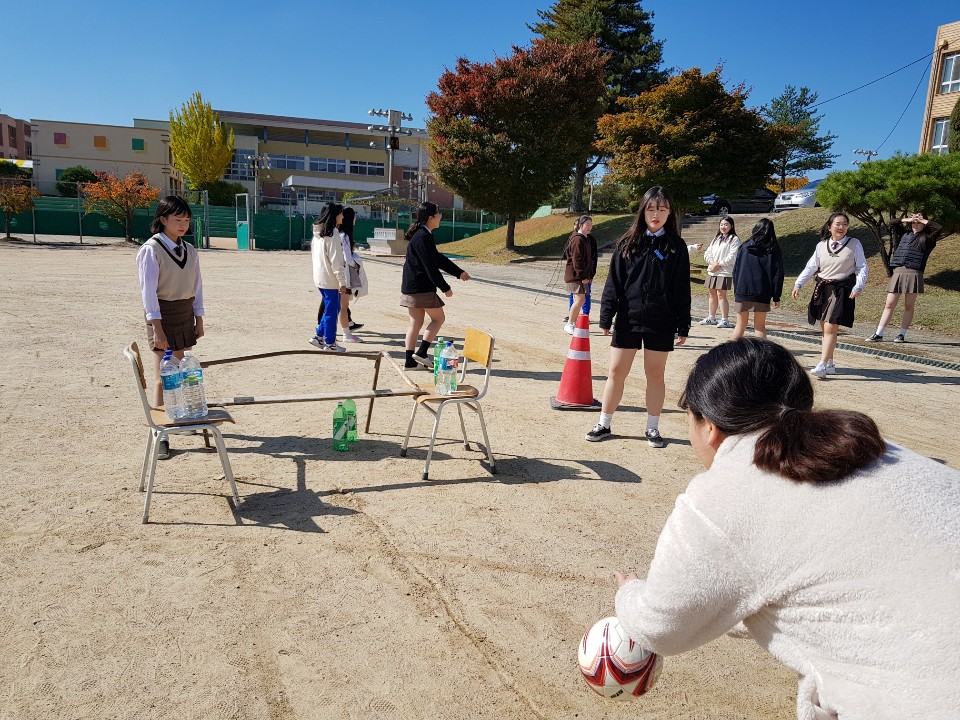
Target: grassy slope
<point x="938" y="309"/>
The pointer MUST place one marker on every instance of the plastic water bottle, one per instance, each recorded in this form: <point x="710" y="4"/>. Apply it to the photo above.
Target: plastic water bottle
<point x="447" y="374"/>
<point x="340" y="443"/>
<point x="437" y="349"/>
<point x="172" y="392"/>
<point x="194" y="396"/>
<point x="350" y="407"/>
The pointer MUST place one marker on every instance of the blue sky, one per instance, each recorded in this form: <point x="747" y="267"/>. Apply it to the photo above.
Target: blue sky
<point x="109" y="61"/>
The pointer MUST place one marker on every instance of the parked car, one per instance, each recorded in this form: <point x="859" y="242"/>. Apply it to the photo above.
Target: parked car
<point x="805" y="197"/>
<point x="760" y="202"/>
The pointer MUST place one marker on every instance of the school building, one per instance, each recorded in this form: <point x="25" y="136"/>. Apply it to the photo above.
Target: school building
<point x="944" y="90"/>
<point x="120" y="150"/>
<point x="16" y="142"/>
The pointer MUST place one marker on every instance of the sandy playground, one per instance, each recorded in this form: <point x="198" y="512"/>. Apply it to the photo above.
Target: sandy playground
<point x="344" y="586"/>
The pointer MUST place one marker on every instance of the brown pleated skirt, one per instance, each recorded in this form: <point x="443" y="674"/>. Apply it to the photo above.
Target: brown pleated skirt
<point x="905" y="280"/>
<point x="176" y="319"/>
<point x="421" y="300"/>
<point x="716" y="282"/>
<point x="748" y="305"/>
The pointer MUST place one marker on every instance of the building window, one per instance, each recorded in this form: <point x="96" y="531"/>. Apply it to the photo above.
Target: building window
<point x="328" y="165"/>
<point x="240" y="166"/>
<point x="941" y="136"/>
<point x="12" y="134"/>
<point x="950" y="80"/>
<point x="138" y="145"/>
<point x="60" y="139"/>
<point x="100" y="142"/>
<point x="286" y="162"/>
<point x="359" y="167"/>
<point x="58" y="172"/>
<point x="410" y="174"/>
<point x="29" y="148"/>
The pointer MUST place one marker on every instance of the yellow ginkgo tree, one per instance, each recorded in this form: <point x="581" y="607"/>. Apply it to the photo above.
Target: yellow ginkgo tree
<point x="202" y="147"/>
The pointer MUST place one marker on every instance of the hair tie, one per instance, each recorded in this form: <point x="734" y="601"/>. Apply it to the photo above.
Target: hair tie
<point x="786" y="411"/>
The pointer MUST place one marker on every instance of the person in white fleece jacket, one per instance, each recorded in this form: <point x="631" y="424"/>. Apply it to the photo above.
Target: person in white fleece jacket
<point x="720" y="256"/>
<point x="837" y="552"/>
<point x="329" y="275"/>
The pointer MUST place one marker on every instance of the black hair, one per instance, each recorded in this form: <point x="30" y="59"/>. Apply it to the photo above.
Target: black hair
<point x="825" y="233"/>
<point x="630" y="240"/>
<point x="580" y="221"/>
<point x="752" y="385"/>
<point x="733" y="227"/>
<point x="764" y="237"/>
<point x="327" y="222"/>
<point x="170" y="205"/>
<point x="346" y="226"/>
<point x="426" y="211"/>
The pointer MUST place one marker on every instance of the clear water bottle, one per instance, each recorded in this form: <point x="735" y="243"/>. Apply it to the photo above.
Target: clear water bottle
<point x="340" y="443"/>
<point x="437" y="349"/>
<point x="447" y="373"/>
<point x="194" y="396"/>
<point x="172" y="390"/>
<point x="350" y="407"/>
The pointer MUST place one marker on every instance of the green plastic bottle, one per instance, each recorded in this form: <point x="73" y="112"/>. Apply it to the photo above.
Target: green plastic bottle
<point x="437" y="349"/>
<point x="351" y="409"/>
<point x="340" y="443"/>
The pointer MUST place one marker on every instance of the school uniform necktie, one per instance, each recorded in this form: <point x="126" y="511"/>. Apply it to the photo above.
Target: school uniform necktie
<point x="178" y="250"/>
<point x="834" y="246"/>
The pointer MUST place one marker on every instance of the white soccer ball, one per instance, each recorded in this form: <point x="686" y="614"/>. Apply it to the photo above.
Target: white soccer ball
<point x="613" y="665"/>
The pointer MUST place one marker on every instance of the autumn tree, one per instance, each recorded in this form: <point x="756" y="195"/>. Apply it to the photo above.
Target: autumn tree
<point x="883" y="191"/>
<point x="202" y="147"/>
<point x="118" y="198"/>
<point x="16" y="196"/>
<point x="12" y="170"/>
<point x="795" y="127"/>
<point x="953" y="142"/>
<point x="623" y="31"/>
<point x="690" y="134"/>
<point x="505" y="134"/>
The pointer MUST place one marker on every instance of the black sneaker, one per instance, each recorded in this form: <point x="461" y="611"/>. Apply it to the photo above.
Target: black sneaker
<point x="355" y="325"/>
<point x="900" y="338"/>
<point x="599" y="433"/>
<point x="654" y="439"/>
<point x="875" y="338"/>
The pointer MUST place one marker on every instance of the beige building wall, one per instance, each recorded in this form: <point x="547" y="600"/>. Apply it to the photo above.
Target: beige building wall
<point x="58" y="145"/>
<point x="940" y="103"/>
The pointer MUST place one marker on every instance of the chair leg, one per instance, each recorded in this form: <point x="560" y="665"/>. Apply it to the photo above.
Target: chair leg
<point x="463" y="428"/>
<point x="406" y="440"/>
<point x="146" y="458"/>
<point x="486" y="440"/>
<point x="433" y="439"/>
<point x="225" y="461"/>
<point x="150" y="477"/>
<point x="206" y="438"/>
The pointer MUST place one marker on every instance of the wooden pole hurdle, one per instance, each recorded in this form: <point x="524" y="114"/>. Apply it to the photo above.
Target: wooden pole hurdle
<point x="373" y="393"/>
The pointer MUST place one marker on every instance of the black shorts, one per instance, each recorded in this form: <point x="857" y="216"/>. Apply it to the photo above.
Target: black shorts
<point x="627" y="339"/>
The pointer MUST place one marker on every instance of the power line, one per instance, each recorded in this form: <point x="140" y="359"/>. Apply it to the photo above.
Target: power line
<point x="922" y="76"/>
<point x="925" y="57"/>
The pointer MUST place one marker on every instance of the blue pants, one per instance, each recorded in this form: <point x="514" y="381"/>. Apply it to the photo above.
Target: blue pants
<point x="327" y="329"/>
<point x="586" y="303"/>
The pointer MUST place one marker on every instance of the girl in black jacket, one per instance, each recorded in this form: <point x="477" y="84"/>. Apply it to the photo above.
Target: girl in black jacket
<point x="757" y="278"/>
<point x="421" y="280"/>
<point x="646" y="301"/>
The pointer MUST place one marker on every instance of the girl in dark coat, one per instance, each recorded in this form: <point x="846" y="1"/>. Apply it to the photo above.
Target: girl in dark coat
<point x="646" y="301"/>
<point x="581" y="256"/>
<point x="421" y="280"/>
<point x="757" y="278"/>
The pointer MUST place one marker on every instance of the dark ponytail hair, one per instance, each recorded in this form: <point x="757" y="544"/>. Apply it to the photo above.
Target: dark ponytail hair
<point x="170" y="205"/>
<point x="580" y="221"/>
<point x="764" y="236"/>
<point x="733" y="227"/>
<point x="346" y="227"/>
<point x="630" y="240"/>
<point x="752" y="385"/>
<point x="426" y="211"/>
<point x="327" y="222"/>
<point x="825" y="233"/>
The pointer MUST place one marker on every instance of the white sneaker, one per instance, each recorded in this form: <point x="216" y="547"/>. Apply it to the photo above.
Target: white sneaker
<point x="725" y="324"/>
<point x="820" y="370"/>
<point x="708" y="320"/>
<point x="568" y="328"/>
<point x="316" y="341"/>
<point x="333" y="347"/>
<point x="831" y="368"/>
<point x="351" y="338"/>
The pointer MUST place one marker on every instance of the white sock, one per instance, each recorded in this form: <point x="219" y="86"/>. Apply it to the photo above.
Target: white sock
<point x="653" y="422"/>
<point x="606" y="419"/>
<point x="709" y="317"/>
<point x="903" y="331"/>
<point x="880" y="329"/>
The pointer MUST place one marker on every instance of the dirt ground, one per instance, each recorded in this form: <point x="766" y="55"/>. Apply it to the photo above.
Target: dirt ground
<point x="344" y="586"/>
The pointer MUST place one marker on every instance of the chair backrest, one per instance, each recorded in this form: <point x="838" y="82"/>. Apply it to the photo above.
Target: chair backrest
<point x="132" y="351"/>
<point x="478" y="348"/>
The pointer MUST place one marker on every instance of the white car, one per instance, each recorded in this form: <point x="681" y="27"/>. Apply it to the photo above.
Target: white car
<point x="805" y="197"/>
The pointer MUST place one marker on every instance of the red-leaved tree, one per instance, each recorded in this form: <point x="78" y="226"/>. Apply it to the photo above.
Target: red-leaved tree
<point x="505" y="134"/>
<point x="16" y="196"/>
<point x="117" y="198"/>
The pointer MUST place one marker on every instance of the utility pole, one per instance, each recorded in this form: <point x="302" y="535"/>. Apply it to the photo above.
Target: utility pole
<point x="393" y="128"/>
<point x="255" y="163"/>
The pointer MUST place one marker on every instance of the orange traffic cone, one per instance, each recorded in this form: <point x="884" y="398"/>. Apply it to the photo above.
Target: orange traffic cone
<point x="576" y="383"/>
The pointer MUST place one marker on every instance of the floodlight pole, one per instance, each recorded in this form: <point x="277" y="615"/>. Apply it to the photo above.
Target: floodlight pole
<point x="393" y="128"/>
<point x="256" y="163"/>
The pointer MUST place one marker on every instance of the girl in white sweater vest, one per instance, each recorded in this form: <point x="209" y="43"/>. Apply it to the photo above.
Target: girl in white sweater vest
<point x="837" y="552"/>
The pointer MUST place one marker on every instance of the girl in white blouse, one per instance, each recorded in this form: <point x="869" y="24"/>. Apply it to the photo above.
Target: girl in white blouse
<point x="720" y="256"/>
